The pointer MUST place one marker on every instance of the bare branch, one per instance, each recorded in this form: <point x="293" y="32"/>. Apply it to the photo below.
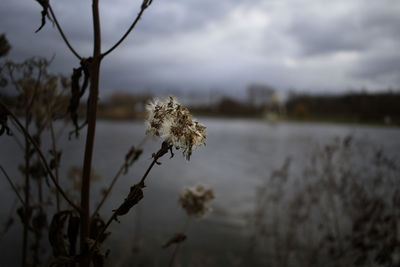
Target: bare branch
<point x="62" y="34"/>
<point x="12" y="185"/>
<point x="132" y="155"/>
<point x="55" y="154"/>
<point x="145" y="4"/>
<point x="136" y="193"/>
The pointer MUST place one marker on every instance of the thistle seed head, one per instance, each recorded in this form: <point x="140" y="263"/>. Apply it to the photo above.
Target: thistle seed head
<point x="173" y="123"/>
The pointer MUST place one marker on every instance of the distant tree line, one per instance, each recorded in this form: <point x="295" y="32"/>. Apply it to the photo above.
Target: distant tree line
<point x="357" y="107"/>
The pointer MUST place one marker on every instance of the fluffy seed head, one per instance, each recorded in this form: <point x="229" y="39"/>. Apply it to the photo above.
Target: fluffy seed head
<point x="173" y="123"/>
<point x="196" y="200"/>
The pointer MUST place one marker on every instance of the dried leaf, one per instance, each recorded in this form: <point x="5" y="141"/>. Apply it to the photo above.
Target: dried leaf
<point x="146" y="4"/>
<point x="44" y="12"/>
<point x="3" y="122"/>
<point x="72" y="233"/>
<point x="77" y="91"/>
<point x="135" y="195"/>
<point x="56" y="234"/>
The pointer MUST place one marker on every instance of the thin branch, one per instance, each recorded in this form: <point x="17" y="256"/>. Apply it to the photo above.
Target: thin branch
<point x="27" y="212"/>
<point x="165" y="147"/>
<point x="123" y="167"/>
<point x="175" y="252"/>
<point x="10" y="69"/>
<point x="12" y="185"/>
<point x="43" y="158"/>
<point x="145" y="4"/>
<point x="35" y="90"/>
<point x="55" y="155"/>
<point x="114" y="215"/>
<point x="9" y="221"/>
<point x="15" y="137"/>
<point x="62" y="34"/>
<point x="107" y="192"/>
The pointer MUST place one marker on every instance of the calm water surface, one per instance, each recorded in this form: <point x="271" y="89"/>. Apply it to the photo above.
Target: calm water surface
<point x="239" y="154"/>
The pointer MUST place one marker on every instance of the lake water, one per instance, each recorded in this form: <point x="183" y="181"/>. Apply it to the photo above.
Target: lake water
<point x="238" y="156"/>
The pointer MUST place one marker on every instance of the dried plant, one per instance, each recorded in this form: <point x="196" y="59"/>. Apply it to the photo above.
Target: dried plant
<point x="196" y="202"/>
<point x="174" y="124"/>
<point x="41" y="103"/>
<point x="340" y="210"/>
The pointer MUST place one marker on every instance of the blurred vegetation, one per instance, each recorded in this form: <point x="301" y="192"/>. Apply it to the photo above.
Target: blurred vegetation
<point x="340" y="208"/>
<point x="382" y="107"/>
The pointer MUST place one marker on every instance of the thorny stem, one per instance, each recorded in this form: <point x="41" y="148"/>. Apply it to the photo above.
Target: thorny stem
<point x="142" y="9"/>
<point x="62" y="34"/>
<point x="114" y="180"/>
<point x="42" y="157"/>
<point x="92" y="109"/>
<point x="12" y="185"/>
<point x="175" y="252"/>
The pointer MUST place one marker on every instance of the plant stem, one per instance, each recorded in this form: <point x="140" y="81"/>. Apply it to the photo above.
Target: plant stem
<point x="91" y="117"/>
<point x="114" y="215"/>
<point x="175" y="252"/>
<point x="55" y="154"/>
<point x="42" y="157"/>
<point x="114" y="180"/>
<point x="142" y="9"/>
<point x="12" y="185"/>
<point x="62" y="34"/>
<point x="27" y="191"/>
<point x="107" y="192"/>
<point x="165" y="147"/>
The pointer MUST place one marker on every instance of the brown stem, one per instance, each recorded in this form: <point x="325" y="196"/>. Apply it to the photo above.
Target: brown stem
<point x="38" y="230"/>
<point x="91" y="116"/>
<point x="42" y="157"/>
<point x="114" y="180"/>
<point x="114" y="215"/>
<point x="165" y="147"/>
<point x="27" y="191"/>
<point x="62" y="34"/>
<point x="12" y="185"/>
<point x="143" y="8"/>
<point x="55" y="155"/>
<point x="175" y="252"/>
<point x="107" y="192"/>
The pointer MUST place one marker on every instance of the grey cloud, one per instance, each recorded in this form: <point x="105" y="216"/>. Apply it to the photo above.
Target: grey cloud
<point x="318" y="36"/>
<point x="375" y="67"/>
<point x="163" y="51"/>
<point x="358" y="30"/>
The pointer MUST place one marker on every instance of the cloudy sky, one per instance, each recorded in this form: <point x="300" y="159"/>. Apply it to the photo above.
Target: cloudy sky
<point x="316" y="45"/>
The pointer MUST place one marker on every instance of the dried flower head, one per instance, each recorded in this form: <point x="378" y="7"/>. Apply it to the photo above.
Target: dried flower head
<point x="173" y="123"/>
<point x="196" y="200"/>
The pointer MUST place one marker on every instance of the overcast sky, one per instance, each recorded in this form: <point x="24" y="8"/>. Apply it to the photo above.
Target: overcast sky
<point x="316" y="45"/>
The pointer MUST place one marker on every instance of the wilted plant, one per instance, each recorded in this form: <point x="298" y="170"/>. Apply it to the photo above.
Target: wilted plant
<point x="167" y="119"/>
<point x="196" y="202"/>
<point x="40" y="100"/>
<point x="340" y="210"/>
